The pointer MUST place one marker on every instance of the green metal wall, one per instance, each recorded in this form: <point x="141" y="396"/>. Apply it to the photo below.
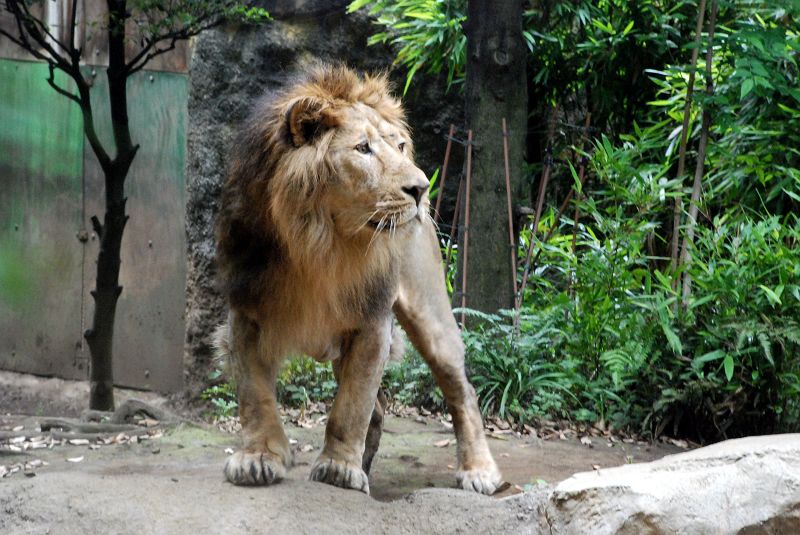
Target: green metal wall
<point x="50" y="185"/>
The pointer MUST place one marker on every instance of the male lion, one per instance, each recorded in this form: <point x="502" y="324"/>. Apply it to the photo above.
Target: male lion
<point x="323" y="236"/>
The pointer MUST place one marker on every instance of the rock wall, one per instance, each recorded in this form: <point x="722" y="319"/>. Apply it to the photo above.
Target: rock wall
<point x="231" y="67"/>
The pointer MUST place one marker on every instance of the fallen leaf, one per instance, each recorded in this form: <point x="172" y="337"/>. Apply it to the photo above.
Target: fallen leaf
<point x="586" y="441"/>
<point x="442" y="443"/>
<point x="75" y="459"/>
<point x="596" y="467"/>
<point x="292" y="441"/>
<point x="79" y="442"/>
<point x="306" y="448"/>
<point x="18" y="428"/>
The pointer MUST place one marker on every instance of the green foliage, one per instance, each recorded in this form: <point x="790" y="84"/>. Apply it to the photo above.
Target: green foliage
<point x="304" y="380"/>
<point x="426" y="33"/>
<point x="221" y="395"/>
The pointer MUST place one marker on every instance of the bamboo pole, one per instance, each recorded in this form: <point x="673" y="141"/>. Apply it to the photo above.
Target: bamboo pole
<point x="439" y="196"/>
<point x="465" y="252"/>
<point x="687" y="107"/>
<point x="694" y="203"/>
<point x="512" y="243"/>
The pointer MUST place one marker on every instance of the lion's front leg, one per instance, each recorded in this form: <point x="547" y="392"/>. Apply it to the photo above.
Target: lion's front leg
<point x="424" y="312"/>
<point x="359" y="373"/>
<point x="265" y="453"/>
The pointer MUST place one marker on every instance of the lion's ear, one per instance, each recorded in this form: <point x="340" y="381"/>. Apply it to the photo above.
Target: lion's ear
<point x="307" y="118"/>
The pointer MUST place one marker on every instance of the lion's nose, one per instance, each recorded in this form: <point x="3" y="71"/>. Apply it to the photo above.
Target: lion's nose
<point x="416" y="191"/>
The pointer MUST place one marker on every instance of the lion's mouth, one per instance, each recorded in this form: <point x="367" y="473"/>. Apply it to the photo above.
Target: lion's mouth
<point x="393" y="222"/>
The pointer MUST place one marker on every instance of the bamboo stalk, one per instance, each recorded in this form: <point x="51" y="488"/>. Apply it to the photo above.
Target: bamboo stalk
<point x="465" y="252"/>
<point x="511" y="241"/>
<point x="444" y="173"/>
<point x="687" y="107"/>
<point x="576" y="219"/>
<point x="694" y="203"/>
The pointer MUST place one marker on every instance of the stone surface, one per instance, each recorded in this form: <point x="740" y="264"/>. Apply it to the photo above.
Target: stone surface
<point x="749" y="485"/>
<point x="231" y="67"/>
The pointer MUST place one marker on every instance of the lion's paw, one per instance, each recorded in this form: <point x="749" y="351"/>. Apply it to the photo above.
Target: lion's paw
<point x="481" y="480"/>
<point x="340" y="474"/>
<point x="253" y="469"/>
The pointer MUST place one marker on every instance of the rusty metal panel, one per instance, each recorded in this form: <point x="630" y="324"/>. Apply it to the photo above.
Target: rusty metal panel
<point x="149" y="333"/>
<point x="50" y="185"/>
<point x="41" y="163"/>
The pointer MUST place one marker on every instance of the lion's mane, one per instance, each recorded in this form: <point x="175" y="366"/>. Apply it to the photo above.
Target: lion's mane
<point x="272" y="226"/>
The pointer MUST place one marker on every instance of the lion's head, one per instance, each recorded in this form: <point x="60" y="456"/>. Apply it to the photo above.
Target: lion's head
<point x="328" y="163"/>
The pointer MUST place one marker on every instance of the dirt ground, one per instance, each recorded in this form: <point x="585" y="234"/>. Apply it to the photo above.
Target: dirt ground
<point x="174" y="483"/>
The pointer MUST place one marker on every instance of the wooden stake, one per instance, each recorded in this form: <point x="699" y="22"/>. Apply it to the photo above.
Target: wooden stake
<point x="444" y="174"/>
<point x="454" y="226"/>
<point x="512" y="243"/>
<point x="465" y="252"/>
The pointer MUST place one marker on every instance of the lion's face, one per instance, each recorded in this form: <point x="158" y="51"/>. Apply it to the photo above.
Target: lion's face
<point x="374" y="185"/>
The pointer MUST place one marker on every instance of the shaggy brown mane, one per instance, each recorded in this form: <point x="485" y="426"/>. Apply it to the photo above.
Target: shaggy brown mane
<point x="270" y="209"/>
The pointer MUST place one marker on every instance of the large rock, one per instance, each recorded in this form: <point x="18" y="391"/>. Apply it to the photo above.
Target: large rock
<point x="232" y="66"/>
<point x="746" y="486"/>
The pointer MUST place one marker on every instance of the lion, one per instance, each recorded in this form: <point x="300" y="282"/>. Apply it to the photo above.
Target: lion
<point x="323" y="238"/>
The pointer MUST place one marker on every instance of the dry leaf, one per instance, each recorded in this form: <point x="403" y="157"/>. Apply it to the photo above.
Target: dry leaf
<point x="75" y="459"/>
<point x="291" y="441"/>
<point x="442" y="443"/>
<point x="596" y="467"/>
<point x="79" y="442"/>
<point x="586" y="441"/>
<point x="306" y="448"/>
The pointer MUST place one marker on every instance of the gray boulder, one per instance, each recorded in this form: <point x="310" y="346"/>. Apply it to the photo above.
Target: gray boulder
<point x="744" y="486"/>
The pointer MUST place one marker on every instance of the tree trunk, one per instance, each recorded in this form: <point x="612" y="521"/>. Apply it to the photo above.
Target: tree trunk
<point x="107" y="289"/>
<point x="495" y="89"/>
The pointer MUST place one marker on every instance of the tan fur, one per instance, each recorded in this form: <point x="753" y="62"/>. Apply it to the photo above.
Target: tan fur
<point x="323" y="233"/>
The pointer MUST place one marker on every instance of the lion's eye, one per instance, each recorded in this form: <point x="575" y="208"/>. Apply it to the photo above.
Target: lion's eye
<point x="364" y="148"/>
<point x="402" y="147"/>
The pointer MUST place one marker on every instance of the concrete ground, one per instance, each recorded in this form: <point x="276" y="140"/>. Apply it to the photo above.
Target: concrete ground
<point x="174" y="483"/>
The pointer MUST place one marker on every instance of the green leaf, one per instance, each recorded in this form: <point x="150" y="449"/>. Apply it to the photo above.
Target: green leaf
<point x="356" y="5"/>
<point x="773" y="296"/>
<point x="728" y="365"/>
<point x="747" y="86"/>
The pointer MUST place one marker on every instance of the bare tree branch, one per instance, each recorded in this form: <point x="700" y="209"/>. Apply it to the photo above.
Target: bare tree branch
<point x="151" y="49"/>
<point x="52" y="81"/>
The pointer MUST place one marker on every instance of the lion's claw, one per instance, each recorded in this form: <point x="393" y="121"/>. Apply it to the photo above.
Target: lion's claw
<point x="340" y="474"/>
<point x="253" y="469"/>
<point x="482" y="481"/>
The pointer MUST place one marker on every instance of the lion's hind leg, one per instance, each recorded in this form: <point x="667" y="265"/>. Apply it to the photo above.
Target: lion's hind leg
<point x="265" y="453"/>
